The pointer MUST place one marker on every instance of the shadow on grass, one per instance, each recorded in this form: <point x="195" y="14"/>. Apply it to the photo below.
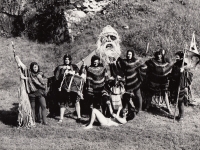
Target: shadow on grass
<point x="161" y="111"/>
<point x="84" y="118"/>
<point x="9" y="117"/>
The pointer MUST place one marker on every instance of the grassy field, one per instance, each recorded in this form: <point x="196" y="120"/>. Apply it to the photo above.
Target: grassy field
<point x="167" y="24"/>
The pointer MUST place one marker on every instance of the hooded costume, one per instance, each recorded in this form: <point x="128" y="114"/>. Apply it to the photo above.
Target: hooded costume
<point x="158" y="74"/>
<point x="96" y="76"/>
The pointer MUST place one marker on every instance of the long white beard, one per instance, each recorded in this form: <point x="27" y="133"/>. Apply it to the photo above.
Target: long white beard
<point x="108" y="55"/>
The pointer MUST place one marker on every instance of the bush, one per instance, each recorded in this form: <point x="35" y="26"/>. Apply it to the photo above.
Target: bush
<point x="49" y="26"/>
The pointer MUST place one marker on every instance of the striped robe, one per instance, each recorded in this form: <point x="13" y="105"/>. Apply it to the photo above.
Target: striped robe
<point x="157" y="75"/>
<point x="96" y="77"/>
<point x="132" y="74"/>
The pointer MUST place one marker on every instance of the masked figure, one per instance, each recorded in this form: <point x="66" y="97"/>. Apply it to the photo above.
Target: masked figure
<point x="108" y="48"/>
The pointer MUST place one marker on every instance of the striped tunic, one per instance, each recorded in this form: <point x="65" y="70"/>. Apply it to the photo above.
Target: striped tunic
<point x="132" y="74"/>
<point x="157" y="75"/>
<point x="96" y="77"/>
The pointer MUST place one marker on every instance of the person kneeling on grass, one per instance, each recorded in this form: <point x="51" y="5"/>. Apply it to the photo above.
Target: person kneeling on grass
<point x="118" y="118"/>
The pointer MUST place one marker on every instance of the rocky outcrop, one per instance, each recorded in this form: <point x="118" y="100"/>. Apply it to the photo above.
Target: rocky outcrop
<point x="52" y="23"/>
<point x="80" y="9"/>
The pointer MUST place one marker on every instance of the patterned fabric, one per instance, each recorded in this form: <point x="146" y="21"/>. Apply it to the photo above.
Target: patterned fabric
<point x="35" y="81"/>
<point x="142" y="71"/>
<point x="183" y="80"/>
<point x="60" y="70"/>
<point x="117" y="96"/>
<point x="115" y="93"/>
<point x="157" y="75"/>
<point x="132" y="74"/>
<point x="96" y="77"/>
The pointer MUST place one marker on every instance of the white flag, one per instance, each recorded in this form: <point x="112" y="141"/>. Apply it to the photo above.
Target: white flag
<point x="192" y="56"/>
<point x="193" y="46"/>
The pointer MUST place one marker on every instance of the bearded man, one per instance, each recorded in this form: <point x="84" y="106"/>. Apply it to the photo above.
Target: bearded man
<point x="108" y="48"/>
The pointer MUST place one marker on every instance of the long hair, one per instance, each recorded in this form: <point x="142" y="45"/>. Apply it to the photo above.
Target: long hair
<point x="33" y="64"/>
<point x="180" y="54"/>
<point x="133" y="55"/>
<point x="95" y="57"/>
<point x="67" y="56"/>
<point x="159" y="53"/>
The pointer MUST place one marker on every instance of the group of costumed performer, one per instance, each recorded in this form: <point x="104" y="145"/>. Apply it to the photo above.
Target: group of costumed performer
<point x="112" y="84"/>
<point x="158" y="73"/>
<point x="120" y="80"/>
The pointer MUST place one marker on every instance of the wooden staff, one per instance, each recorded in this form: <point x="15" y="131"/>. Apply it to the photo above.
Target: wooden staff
<point x="184" y="51"/>
<point x="21" y="67"/>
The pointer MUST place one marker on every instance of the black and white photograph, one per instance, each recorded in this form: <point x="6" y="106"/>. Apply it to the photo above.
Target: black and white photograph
<point x="100" y="75"/>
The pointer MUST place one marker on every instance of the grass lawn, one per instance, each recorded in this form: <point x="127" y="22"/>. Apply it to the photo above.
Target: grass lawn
<point x="160" y="23"/>
<point x="153" y="130"/>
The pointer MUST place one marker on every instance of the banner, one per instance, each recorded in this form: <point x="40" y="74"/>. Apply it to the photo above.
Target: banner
<point x="192" y="55"/>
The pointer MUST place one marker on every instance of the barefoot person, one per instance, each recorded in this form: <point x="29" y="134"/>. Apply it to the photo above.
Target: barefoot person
<point x="118" y="118"/>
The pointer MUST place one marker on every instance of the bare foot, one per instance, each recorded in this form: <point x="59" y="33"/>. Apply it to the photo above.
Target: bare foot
<point x="85" y="125"/>
<point x="60" y="121"/>
<point x="88" y="127"/>
<point x="170" y="112"/>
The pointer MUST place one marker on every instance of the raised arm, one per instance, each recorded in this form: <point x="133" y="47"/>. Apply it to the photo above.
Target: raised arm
<point x="19" y="62"/>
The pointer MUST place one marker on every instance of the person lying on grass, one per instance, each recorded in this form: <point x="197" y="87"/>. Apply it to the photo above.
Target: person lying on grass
<point x="119" y="118"/>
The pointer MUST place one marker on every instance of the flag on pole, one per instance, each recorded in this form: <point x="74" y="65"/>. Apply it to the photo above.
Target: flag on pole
<point x="192" y="55"/>
<point x="193" y="46"/>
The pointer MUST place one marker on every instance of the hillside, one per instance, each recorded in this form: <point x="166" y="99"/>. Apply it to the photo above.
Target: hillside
<point x="163" y="23"/>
